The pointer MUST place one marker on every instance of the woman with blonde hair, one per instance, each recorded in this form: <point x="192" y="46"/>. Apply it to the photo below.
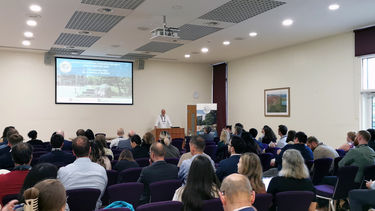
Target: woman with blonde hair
<point x="294" y="176"/>
<point x="170" y="150"/>
<point x="350" y="137"/>
<point x="250" y="166"/>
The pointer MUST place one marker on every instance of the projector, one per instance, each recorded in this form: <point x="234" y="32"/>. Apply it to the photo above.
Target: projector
<point x="165" y="34"/>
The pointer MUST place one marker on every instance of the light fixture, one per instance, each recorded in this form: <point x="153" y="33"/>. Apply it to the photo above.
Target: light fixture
<point x="333" y="7"/>
<point x="26" y="43"/>
<point x="28" y="34"/>
<point x="204" y="50"/>
<point x="31" y="23"/>
<point x="35" y="8"/>
<point x="187" y="56"/>
<point x="287" y="22"/>
<point x="226" y="43"/>
<point x="253" y="34"/>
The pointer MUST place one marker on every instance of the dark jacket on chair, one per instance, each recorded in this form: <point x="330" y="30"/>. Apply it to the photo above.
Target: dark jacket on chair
<point x="227" y="166"/>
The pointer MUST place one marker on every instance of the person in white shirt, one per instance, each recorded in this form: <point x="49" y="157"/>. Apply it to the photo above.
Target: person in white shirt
<point x="120" y="133"/>
<point x="163" y="120"/>
<point x="283" y="130"/>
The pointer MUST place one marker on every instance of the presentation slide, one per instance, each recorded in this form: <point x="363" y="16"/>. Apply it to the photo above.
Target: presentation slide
<point x="93" y="81"/>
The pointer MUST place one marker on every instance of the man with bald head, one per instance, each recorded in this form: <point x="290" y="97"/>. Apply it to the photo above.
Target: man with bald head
<point x="125" y="143"/>
<point x="83" y="173"/>
<point x="236" y="193"/>
<point x="158" y="170"/>
<point x="120" y="134"/>
<point x="163" y="120"/>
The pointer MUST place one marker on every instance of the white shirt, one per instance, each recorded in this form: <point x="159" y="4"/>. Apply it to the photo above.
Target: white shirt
<point x="163" y="121"/>
<point x="282" y="142"/>
<point x="83" y="173"/>
<point x="114" y="142"/>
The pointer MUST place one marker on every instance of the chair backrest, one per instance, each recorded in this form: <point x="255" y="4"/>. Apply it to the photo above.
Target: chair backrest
<point x="82" y="199"/>
<point x="345" y="181"/>
<point x="172" y="160"/>
<point x="113" y="163"/>
<point x="164" y="190"/>
<point x="8" y="198"/>
<point x="143" y="162"/>
<point x="211" y="151"/>
<point x="341" y="152"/>
<point x="265" y="160"/>
<point x="263" y="201"/>
<point x="212" y="204"/>
<point x="177" y="142"/>
<point x="294" y="200"/>
<point x="368" y="174"/>
<point x="112" y="177"/>
<point x="321" y="169"/>
<point x="336" y="165"/>
<point x="309" y="164"/>
<point x="128" y="192"/>
<point x="161" y="206"/>
<point x="129" y="175"/>
<point x="114" y="209"/>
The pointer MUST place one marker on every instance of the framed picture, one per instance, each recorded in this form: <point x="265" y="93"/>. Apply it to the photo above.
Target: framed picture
<point x="277" y="102"/>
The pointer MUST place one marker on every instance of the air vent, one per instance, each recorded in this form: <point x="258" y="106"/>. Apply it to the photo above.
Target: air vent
<point x="87" y="21"/>
<point x="194" y="32"/>
<point x="76" y="40"/>
<point x="158" y="47"/>
<point x="122" y="4"/>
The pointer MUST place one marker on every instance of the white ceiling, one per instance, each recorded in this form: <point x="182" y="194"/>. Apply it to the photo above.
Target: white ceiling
<point x="312" y="20"/>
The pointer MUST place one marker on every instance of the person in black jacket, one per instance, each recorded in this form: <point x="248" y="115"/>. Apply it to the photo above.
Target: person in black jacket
<point x="57" y="156"/>
<point x="33" y="135"/>
<point x="371" y="142"/>
<point x="137" y="150"/>
<point x="125" y="161"/>
<point x="6" y="160"/>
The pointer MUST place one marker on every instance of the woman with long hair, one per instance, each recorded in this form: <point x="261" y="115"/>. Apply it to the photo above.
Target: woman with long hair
<point x="101" y="140"/>
<point x="251" y="145"/>
<point x="290" y="137"/>
<point x="202" y="184"/>
<point x="250" y="166"/>
<point x="125" y="161"/>
<point x="98" y="156"/>
<point x="268" y="135"/>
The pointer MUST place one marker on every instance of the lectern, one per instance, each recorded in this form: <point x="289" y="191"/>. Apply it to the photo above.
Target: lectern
<point x="174" y="132"/>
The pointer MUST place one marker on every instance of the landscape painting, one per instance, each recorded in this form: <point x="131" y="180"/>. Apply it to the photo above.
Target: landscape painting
<point x="277" y="102"/>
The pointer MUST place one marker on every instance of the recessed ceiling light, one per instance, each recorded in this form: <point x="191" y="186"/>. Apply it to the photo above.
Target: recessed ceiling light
<point x="287" y="22"/>
<point x="35" y="8"/>
<point x="28" y="34"/>
<point x="204" y="50"/>
<point x="31" y="22"/>
<point x="74" y="53"/>
<point x="84" y="32"/>
<point x="253" y="34"/>
<point x="187" y="56"/>
<point x="26" y="43"/>
<point x="334" y="7"/>
<point x="226" y="43"/>
<point x="105" y="10"/>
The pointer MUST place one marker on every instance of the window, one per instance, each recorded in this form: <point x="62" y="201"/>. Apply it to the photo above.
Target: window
<point x="368" y="92"/>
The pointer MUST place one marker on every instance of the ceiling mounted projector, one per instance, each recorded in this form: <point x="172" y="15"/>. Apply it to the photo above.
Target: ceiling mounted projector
<point x="165" y="34"/>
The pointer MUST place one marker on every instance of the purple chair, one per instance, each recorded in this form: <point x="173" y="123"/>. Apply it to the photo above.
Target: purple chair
<point x="129" y="175"/>
<point x="263" y="201"/>
<point x="345" y="183"/>
<point x="177" y="142"/>
<point x="341" y="152"/>
<point x="211" y="151"/>
<point x="212" y="204"/>
<point x="129" y="192"/>
<point x="9" y="197"/>
<point x="321" y="169"/>
<point x="143" y="162"/>
<point x="161" y="206"/>
<point x="82" y="199"/>
<point x="112" y="176"/>
<point x="336" y="165"/>
<point x="368" y="174"/>
<point x="294" y="200"/>
<point x="114" y="209"/>
<point x="265" y="160"/>
<point x="163" y="190"/>
<point x="172" y="160"/>
<point x="309" y="164"/>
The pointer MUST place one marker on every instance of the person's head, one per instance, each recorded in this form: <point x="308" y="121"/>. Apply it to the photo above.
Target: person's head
<point x="163" y="112"/>
<point x="97" y="151"/>
<point x="101" y="139"/>
<point x="228" y="128"/>
<point x="201" y="183"/>
<point x="131" y="133"/>
<point x="197" y="145"/>
<point x="207" y="130"/>
<point x="250" y="166"/>
<point x="22" y="154"/>
<point x="268" y="132"/>
<point x="283" y="130"/>
<point x="50" y="193"/>
<point x="291" y="136"/>
<point x="11" y="132"/>
<point x="5" y="131"/>
<point x="81" y="146"/>
<point x="253" y="132"/>
<point x="120" y="132"/>
<point x="223" y="136"/>
<point x="312" y="142"/>
<point x="14" y="139"/>
<point x="126" y="155"/>
<point x="89" y="134"/>
<point x="237" y="130"/>
<point x="165" y="138"/>
<point x="157" y="152"/>
<point x="372" y="133"/>
<point x="236" y="192"/>
<point x="293" y="165"/>
<point x="60" y="132"/>
<point x="300" y="138"/>
<point x="238" y="125"/>
<point x="237" y="145"/>
<point x="363" y="137"/>
<point x="57" y="141"/>
<point x="148" y="138"/>
<point x="80" y="132"/>
<point x="350" y="136"/>
<point x="32" y="134"/>
<point x="135" y="141"/>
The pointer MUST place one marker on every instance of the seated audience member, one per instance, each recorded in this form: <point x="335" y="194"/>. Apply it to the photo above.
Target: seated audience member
<point x="236" y="193"/>
<point x="4" y="141"/>
<point x="120" y="134"/>
<point x="250" y="144"/>
<point x="90" y="134"/>
<point x="238" y="129"/>
<point x="6" y="161"/>
<point x="33" y="135"/>
<point x="222" y="139"/>
<point x="294" y="176"/>
<point x="38" y="173"/>
<point x="147" y="140"/>
<point x="57" y="156"/>
<point x="170" y="150"/>
<point x="67" y="144"/>
<point x="250" y="166"/>
<point x="5" y="147"/>
<point x="360" y="199"/>
<point x="228" y="132"/>
<point x="290" y="137"/>
<point x="350" y="137"/>
<point x="125" y="161"/>
<point x="202" y="184"/>
<point x="125" y="144"/>
<point x="360" y="156"/>
<point x="282" y="131"/>
<point x="300" y="145"/>
<point x="98" y="156"/>
<point x="321" y="150"/>
<point x="101" y="139"/>
<point x="371" y="142"/>
<point x="207" y="135"/>
<point x="268" y="135"/>
<point x="83" y="173"/>
<point x="50" y="195"/>
<point x="11" y="182"/>
<point x="80" y="132"/>
<point x="229" y="165"/>
<point x="222" y="149"/>
<point x="159" y="170"/>
<point x="253" y="132"/>
<point x="197" y="145"/>
<point x="137" y="150"/>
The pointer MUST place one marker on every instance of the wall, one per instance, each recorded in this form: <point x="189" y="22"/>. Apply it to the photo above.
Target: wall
<point x="28" y="97"/>
<point x="324" y="80"/>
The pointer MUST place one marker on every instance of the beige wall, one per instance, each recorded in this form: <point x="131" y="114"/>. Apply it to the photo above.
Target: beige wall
<point x="324" y="79"/>
<point x="28" y="97"/>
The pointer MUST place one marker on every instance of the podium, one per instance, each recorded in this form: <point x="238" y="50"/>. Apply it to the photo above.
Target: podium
<point x="174" y="132"/>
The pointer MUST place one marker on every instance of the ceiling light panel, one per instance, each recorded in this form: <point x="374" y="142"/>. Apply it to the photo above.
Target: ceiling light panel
<point x="122" y="4"/>
<point x="236" y="11"/>
<point x="194" y="32"/>
<point x="93" y="21"/>
<point x="76" y="40"/>
<point x="158" y="47"/>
